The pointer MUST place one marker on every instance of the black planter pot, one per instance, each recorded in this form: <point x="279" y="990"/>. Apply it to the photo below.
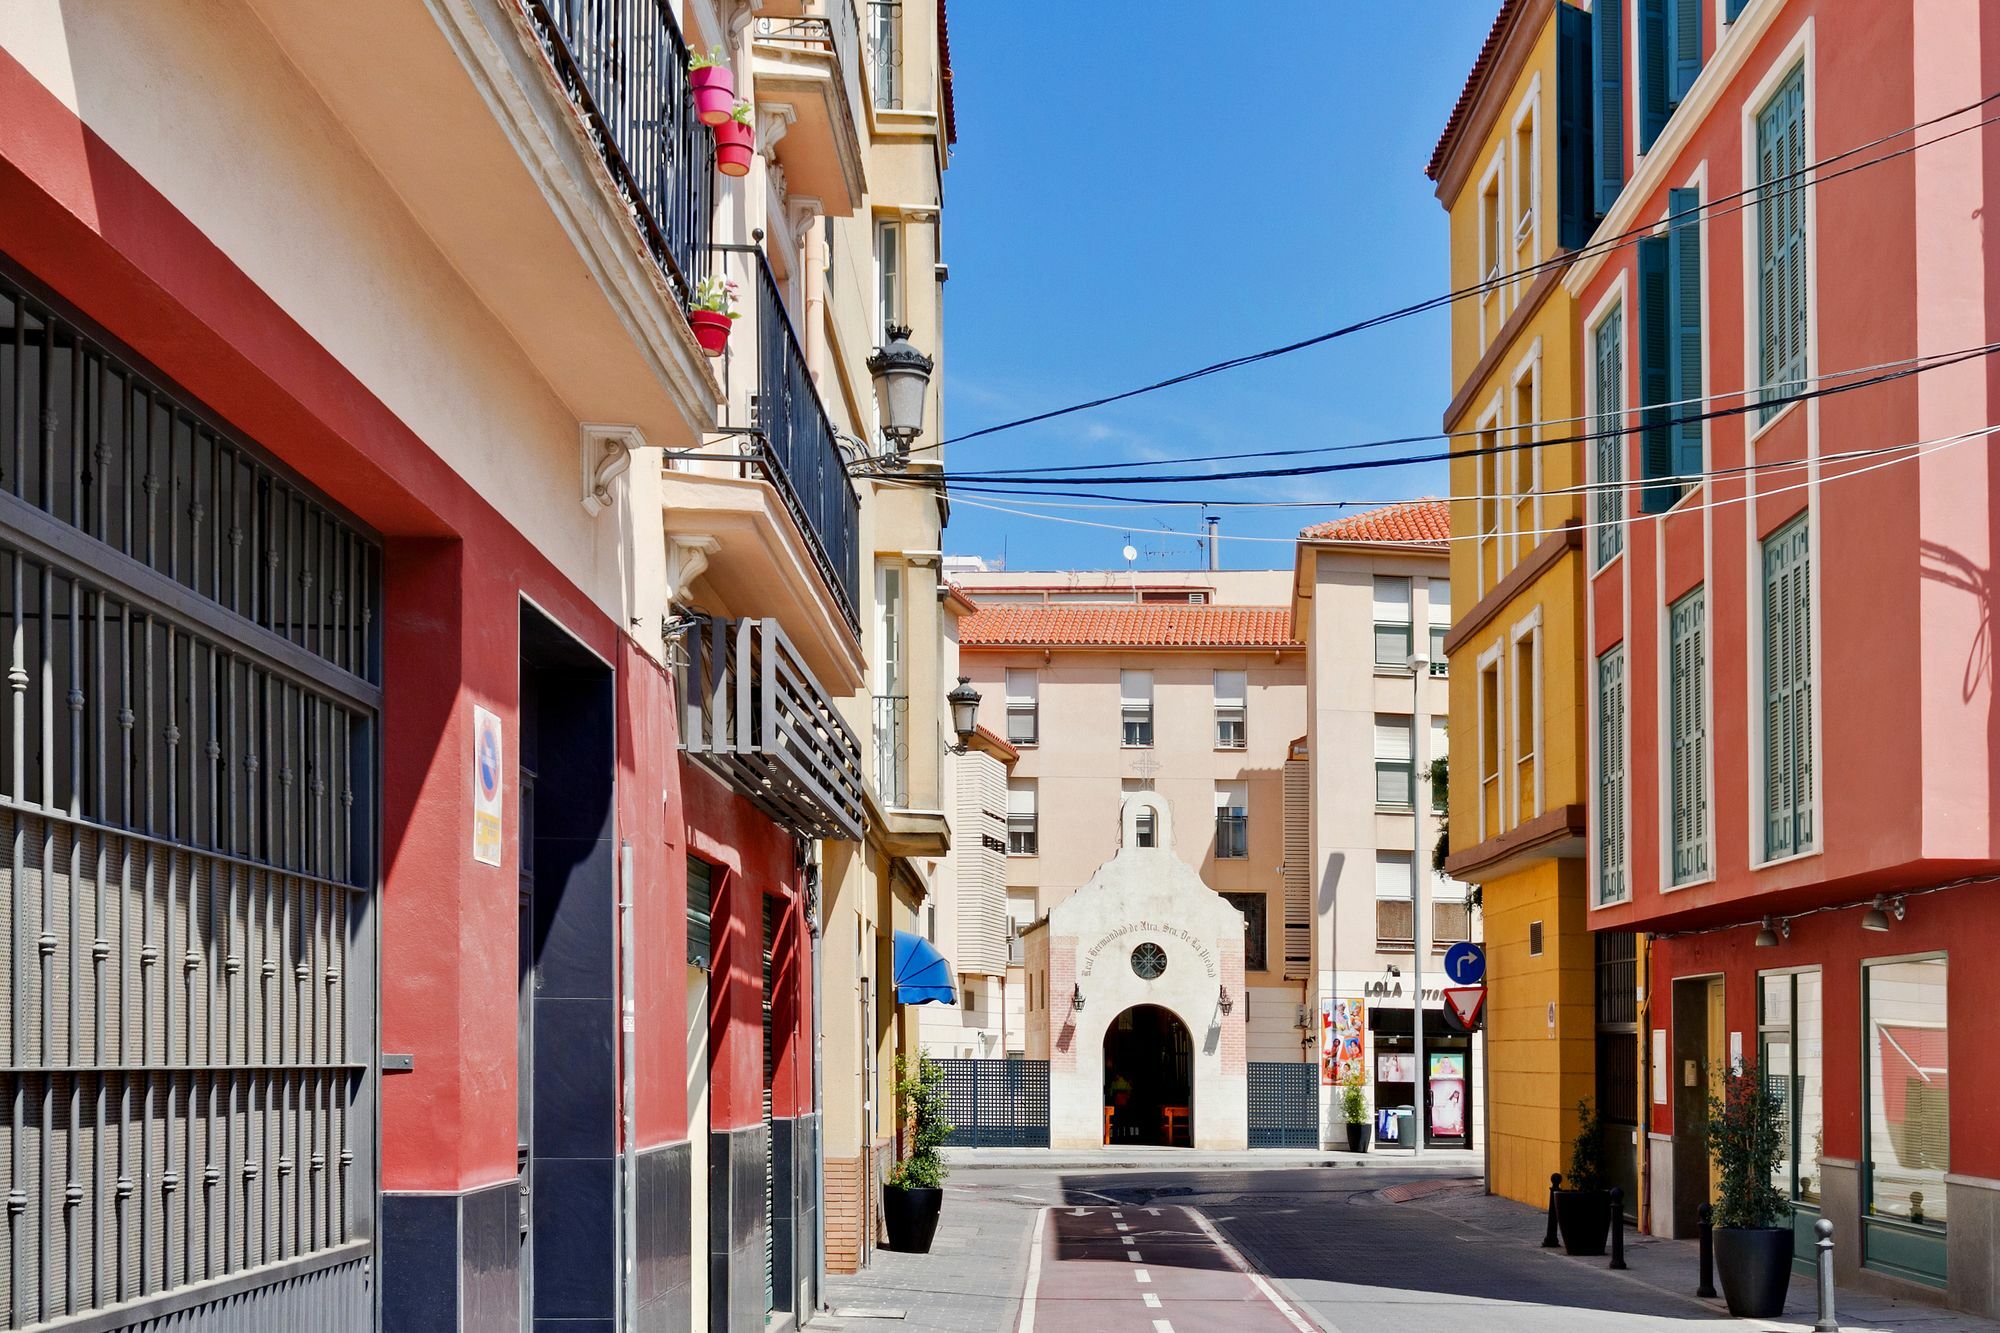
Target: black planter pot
<point x="1358" y="1135"/>
<point x="911" y="1215"/>
<point x="1584" y="1217"/>
<point x="1755" y="1265"/>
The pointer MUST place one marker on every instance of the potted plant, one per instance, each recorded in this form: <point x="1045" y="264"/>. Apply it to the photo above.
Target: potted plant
<point x="714" y="86"/>
<point x="1753" y="1231"/>
<point x="913" y="1194"/>
<point x="1583" y="1211"/>
<point x="734" y="142"/>
<point x="1354" y="1106"/>
<point x="713" y="311"/>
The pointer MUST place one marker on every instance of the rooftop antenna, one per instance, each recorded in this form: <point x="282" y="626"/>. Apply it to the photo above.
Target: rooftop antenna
<point x="1131" y="553"/>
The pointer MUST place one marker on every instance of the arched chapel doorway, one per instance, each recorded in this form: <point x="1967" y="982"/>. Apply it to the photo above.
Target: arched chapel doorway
<point x="1148" y="1078"/>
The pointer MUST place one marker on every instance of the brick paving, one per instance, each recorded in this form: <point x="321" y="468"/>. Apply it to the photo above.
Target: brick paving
<point x="1387" y="1248"/>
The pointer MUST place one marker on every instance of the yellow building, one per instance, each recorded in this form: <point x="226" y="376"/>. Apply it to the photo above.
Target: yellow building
<point x="1512" y="170"/>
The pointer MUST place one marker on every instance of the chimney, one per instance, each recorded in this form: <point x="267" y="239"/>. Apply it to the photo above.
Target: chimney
<point x="1214" y="542"/>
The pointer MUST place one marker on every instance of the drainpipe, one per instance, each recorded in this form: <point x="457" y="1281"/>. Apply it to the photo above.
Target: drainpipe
<point x="813" y="914"/>
<point x="628" y="1212"/>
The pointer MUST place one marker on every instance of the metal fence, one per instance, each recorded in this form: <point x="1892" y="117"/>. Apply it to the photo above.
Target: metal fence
<point x="996" y="1103"/>
<point x="1284" y="1105"/>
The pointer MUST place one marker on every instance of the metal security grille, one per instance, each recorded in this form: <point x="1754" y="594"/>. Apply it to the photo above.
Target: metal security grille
<point x="187" y="754"/>
<point x="996" y="1103"/>
<point x="1284" y="1105"/>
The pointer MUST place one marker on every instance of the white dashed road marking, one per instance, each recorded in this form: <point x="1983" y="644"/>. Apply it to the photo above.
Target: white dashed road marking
<point x="1142" y="1275"/>
<point x="1152" y="1301"/>
<point x="1162" y="1326"/>
<point x="1133" y="1255"/>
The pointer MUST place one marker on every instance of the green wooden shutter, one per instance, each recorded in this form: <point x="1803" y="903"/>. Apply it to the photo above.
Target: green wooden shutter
<point x="1781" y="241"/>
<point x="1687" y="727"/>
<point x="1733" y="10"/>
<point x="1608" y="502"/>
<point x="1611" y="813"/>
<point x="1655" y="72"/>
<point x="1656" y="453"/>
<point x="1684" y="21"/>
<point x="1788" y="757"/>
<point x="1576" y="215"/>
<point x="1607" y="129"/>
<point x="699" y="909"/>
<point x="1684" y="378"/>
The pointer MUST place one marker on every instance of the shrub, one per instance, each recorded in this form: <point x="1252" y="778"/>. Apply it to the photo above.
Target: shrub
<point x="1586" y="1150"/>
<point x="1353" y="1102"/>
<point x="1746" y="1137"/>
<point x="920" y="1089"/>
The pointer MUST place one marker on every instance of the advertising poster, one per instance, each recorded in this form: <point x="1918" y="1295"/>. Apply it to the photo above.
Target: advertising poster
<point x="1396" y="1069"/>
<point x="1341" y="1024"/>
<point x="486" y="760"/>
<point x="1447" y="1077"/>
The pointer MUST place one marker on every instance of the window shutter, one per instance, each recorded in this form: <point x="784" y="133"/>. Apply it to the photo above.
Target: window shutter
<point x="1608" y="507"/>
<point x="1655" y="382"/>
<point x="1576" y="214"/>
<point x="1611" y="776"/>
<point x="1392" y="741"/>
<point x="700" y="911"/>
<point x="1687" y="653"/>
<point x="1733" y="10"/>
<point x="1685" y="18"/>
<point x="1781" y="240"/>
<point x="1607" y="129"/>
<point x="1655" y="71"/>
<point x="1684" y="379"/>
<point x="1787" y="692"/>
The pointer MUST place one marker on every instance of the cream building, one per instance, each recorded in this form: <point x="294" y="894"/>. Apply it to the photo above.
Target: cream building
<point x="1372" y="592"/>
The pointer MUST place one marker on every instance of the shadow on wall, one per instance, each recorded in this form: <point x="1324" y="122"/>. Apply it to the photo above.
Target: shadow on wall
<point x="1329" y="883"/>
<point x="1943" y="565"/>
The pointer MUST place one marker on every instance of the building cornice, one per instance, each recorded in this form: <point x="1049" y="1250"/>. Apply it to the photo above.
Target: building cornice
<point x="1549" y="835"/>
<point x="1546" y="556"/>
<point x="1471" y="390"/>
<point x="1463" y="139"/>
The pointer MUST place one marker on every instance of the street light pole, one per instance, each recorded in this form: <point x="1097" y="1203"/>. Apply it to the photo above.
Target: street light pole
<point x="1419" y="784"/>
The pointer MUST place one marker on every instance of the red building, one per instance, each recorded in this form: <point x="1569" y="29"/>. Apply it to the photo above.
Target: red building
<point x="1793" y="730"/>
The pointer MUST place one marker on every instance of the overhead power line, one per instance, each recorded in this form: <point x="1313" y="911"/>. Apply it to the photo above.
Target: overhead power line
<point x="1686" y="217"/>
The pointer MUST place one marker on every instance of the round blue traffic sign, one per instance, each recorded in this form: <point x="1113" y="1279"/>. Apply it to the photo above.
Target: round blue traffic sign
<point x="1465" y="963"/>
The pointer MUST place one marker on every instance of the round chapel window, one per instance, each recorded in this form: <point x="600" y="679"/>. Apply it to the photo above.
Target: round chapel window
<point x="1149" y="960"/>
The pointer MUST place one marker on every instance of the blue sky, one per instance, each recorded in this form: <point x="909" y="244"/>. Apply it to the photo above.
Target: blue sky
<point x="1138" y="191"/>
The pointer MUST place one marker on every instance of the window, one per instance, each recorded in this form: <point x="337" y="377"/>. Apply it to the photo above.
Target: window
<point x="889" y="627"/>
<point x="1687" y="724"/>
<point x="1022" y="838"/>
<point x="1492" y="228"/>
<point x="1392" y="622"/>
<point x="1607" y="507"/>
<point x="1907" y="1144"/>
<point x="1527" y="168"/>
<point x="1526" y="466"/>
<point x="884" y="37"/>
<point x="892" y="708"/>
<point x="1451" y="914"/>
<point x="1492" y="560"/>
<point x="1527" y="726"/>
<point x="1781" y="242"/>
<point x="1788" y="1053"/>
<point x="1395" y="901"/>
<point x="1669" y="61"/>
<point x="888" y="277"/>
<point x="1232" y="820"/>
<point x="1394" y="781"/>
<point x="1253" y="907"/>
<point x="1440" y="748"/>
<point x="1670" y="319"/>
<point x="1440" y="618"/>
<point x="1788" y="692"/>
<point x="1489" y="748"/>
<point x="1231" y="696"/>
<point x="1611" y="816"/>
<point x="1128" y="787"/>
<point x="700" y="911"/>
<point x="1135" y="707"/>
<point x="1023" y="707"/>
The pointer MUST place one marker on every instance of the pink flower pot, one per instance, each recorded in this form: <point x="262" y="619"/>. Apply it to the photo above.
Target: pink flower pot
<point x="734" y="144"/>
<point x="714" y="93"/>
<point x="711" y="330"/>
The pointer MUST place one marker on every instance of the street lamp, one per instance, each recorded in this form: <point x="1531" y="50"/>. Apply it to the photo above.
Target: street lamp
<point x="902" y="377"/>
<point x="964" y="701"/>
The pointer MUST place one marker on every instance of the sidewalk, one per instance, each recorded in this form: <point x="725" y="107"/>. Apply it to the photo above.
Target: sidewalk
<point x="970" y="1282"/>
<point x="1128" y="1158"/>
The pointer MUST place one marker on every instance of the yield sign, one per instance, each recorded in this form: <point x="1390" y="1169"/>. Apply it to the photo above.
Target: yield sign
<point x="1465" y="1002"/>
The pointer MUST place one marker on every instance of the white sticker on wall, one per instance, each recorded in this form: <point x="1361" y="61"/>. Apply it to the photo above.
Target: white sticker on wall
<point x="1659" y="1066"/>
<point x="486" y="787"/>
<point x="1736" y="1052"/>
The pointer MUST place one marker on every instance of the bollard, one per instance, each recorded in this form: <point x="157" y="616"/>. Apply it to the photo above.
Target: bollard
<point x="1617" y="1227"/>
<point x="1549" y="1241"/>
<point x="1827" y="1322"/>
<point x="1706" y="1227"/>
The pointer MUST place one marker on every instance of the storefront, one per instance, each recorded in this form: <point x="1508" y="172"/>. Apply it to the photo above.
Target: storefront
<point x="1448" y="1077"/>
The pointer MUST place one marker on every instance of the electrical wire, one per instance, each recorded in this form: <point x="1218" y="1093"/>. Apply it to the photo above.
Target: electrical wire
<point x="1686" y="217"/>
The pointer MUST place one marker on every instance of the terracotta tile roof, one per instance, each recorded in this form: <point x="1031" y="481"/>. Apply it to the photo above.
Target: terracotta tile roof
<point x="1470" y="93"/>
<point x="1424" y="522"/>
<point x="1000" y="749"/>
<point x="1128" y="625"/>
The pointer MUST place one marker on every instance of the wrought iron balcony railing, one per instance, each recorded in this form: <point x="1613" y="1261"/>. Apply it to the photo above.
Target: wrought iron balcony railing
<point x="625" y="67"/>
<point x="838" y="32"/>
<point x="892" y="749"/>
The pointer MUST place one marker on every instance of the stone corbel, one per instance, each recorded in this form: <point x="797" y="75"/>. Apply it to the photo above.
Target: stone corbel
<point x="606" y="454"/>
<point x="687" y="557"/>
<point x="772" y="122"/>
<point x="801" y="212"/>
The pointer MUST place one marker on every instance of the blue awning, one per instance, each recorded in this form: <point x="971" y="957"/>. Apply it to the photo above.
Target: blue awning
<point x="923" y="975"/>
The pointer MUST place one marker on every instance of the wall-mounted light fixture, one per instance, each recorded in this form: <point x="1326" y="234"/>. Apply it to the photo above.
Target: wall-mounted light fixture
<point x="964" y="701"/>
<point x="1076" y="998"/>
<point x="1224" y="1000"/>
<point x="1776" y="928"/>
<point x="1886" y="908"/>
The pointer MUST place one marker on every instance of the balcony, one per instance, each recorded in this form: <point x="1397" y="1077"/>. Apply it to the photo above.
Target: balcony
<point x="808" y="71"/>
<point x="892" y="749"/>
<point x="753" y="714"/>
<point x="774" y="513"/>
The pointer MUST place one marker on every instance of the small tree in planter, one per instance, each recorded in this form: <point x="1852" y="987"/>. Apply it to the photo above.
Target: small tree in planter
<point x="1583" y="1210"/>
<point x="735" y="142"/>
<point x="913" y="1193"/>
<point x="714" y="87"/>
<point x="1753" y="1232"/>
<point x="1354" y="1107"/>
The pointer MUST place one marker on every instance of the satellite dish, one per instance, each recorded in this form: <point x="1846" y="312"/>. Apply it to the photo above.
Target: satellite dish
<point x="1130" y="555"/>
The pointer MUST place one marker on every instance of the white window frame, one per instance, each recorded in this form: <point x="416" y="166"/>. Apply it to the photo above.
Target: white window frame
<point x="1664" y="774"/>
<point x="1485" y="467"/>
<point x="1624" y="814"/>
<point x="1409" y="724"/>
<point x="1408" y="624"/>
<point x="1031" y="787"/>
<point x="1526" y="630"/>
<point x="889" y="288"/>
<point x="1126" y="707"/>
<point x="1028" y="704"/>
<point x="1529" y="365"/>
<point x="1234" y="708"/>
<point x="1490" y="813"/>
<point x="1758" y="778"/>
<point x="1612" y="305"/>
<point x="1799" y="53"/>
<point x="1433" y="640"/>
<point x="1491" y="266"/>
<point x="1530" y="210"/>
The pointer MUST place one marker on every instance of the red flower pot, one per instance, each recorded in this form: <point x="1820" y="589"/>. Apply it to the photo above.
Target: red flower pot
<point x="711" y="330"/>
<point x="714" y="93"/>
<point x="733" y="145"/>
